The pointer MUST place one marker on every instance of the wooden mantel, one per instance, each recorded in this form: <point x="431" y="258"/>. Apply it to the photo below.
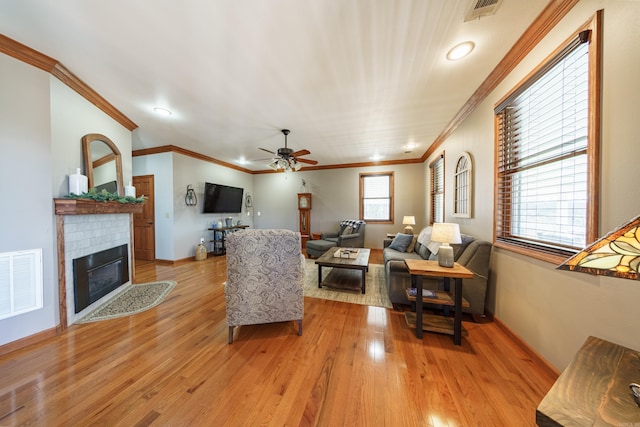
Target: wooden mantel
<point x="86" y="207"/>
<point x="89" y="207"/>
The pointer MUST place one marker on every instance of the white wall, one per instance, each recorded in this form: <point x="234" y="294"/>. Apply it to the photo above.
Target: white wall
<point x="42" y="122"/>
<point x="72" y="117"/>
<point x="25" y="184"/>
<point x="556" y="311"/>
<point x="335" y="196"/>
<point x="179" y="227"/>
<point x="161" y="167"/>
<point x="190" y="224"/>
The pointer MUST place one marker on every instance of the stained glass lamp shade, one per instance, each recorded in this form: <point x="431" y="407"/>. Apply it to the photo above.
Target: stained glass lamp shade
<point x="617" y="254"/>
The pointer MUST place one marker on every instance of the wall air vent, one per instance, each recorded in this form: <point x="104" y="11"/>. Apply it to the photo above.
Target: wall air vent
<point x="481" y="8"/>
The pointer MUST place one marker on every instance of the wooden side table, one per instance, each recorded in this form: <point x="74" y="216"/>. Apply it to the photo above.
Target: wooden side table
<point x="594" y="389"/>
<point x="424" y="268"/>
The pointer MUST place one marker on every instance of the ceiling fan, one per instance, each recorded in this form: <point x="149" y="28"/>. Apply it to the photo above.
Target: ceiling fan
<point x="286" y="158"/>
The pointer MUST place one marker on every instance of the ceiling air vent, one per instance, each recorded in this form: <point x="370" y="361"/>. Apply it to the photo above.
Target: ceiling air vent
<point x="482" y="8"/>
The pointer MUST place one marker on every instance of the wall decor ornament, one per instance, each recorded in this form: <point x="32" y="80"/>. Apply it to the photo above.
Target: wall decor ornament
<point x="190" y="198"/>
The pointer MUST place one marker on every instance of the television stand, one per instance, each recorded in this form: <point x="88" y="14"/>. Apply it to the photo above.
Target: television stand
<point x="219" y="237"/>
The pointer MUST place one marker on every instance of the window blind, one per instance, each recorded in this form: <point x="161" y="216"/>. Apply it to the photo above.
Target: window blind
<point x="437" y="189"/>
<point x="376" y="197"/>
<point x="542" y="157"/>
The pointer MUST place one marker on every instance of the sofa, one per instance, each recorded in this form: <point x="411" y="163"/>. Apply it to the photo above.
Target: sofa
<point x="349" y="234"/>
<point x="472" y="253"/>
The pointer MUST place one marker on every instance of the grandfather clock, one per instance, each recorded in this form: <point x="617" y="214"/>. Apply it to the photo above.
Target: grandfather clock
<point x="304" y="216"/>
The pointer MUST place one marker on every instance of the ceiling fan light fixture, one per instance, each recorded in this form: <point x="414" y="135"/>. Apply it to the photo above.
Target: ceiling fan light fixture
<point x="285" y="157"/>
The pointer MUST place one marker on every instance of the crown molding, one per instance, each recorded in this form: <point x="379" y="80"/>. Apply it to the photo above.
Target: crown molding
<point x="544" y="22"/>
<point x="553" y="13"/>
<point x="39" y="60"/>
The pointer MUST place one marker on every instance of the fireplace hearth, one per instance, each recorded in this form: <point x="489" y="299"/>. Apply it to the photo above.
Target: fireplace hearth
<point x="98" y="274"/>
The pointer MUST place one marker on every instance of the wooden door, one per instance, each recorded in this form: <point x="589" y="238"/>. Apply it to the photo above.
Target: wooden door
<point x="144" y="232"/>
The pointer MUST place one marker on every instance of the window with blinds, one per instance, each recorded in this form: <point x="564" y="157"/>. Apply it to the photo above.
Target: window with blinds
<point x="376" y="197"/>
<point x="436" y="189"/>
<point x="543" y="156"/>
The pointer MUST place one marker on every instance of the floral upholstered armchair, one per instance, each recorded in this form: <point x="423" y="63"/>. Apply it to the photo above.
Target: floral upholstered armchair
<point x="265" y="276"/>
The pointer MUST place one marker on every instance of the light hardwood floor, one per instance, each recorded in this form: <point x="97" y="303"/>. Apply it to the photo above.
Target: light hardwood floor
<point x="353" y="366"/>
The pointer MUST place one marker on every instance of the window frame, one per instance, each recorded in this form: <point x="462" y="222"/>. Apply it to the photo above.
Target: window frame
<point x="463" y="187"/>
<point x="433" y="191"/>
<point x="362" y="177"/>
<point x="549" y="253"/>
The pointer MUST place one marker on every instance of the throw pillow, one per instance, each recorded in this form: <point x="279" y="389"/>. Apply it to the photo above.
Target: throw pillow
<point x="412" y="244"/>
<point x="348" y="230"/>
<point x="401" y="242"/>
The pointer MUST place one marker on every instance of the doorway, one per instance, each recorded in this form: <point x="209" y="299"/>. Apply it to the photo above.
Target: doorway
<point x="144" y="231"/>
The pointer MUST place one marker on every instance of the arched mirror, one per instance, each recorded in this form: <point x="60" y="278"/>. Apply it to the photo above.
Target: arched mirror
<point x="102" y="163"/>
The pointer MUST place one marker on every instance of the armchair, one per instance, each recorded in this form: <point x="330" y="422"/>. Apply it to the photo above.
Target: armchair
<point x="350" y="234"/>
<point x="265" y="276"/>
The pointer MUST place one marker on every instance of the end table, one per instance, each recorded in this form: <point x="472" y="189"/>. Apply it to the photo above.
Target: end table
<point x="424" y="268"/>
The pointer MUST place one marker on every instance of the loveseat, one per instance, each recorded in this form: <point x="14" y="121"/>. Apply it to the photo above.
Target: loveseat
<point x="472" y="253"/>
<point x="349" y="234"/>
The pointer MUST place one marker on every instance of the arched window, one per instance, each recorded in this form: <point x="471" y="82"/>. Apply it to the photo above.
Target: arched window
<point x="463" y="186"/>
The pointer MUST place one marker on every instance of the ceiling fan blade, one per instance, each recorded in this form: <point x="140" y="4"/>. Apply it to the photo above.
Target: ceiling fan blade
<point x="310" y="162"/>
<point x="300" y="153"/>
<point x="268" y="151"/>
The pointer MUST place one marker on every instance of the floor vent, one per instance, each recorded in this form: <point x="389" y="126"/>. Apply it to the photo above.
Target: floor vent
<point x="21" y="286"/>
<point x="482" y="8"/>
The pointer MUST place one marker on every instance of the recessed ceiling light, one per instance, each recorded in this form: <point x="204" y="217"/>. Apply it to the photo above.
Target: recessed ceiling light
<point x="460" y="50"/>
<point x="162" y="111"/>
<point x="376" y="157"/>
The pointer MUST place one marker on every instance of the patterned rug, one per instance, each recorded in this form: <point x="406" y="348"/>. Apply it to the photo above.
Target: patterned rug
<point x="135" y="299"/>
<point x="376" y="288"/>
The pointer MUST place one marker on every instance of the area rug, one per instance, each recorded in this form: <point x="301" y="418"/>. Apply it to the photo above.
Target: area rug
<point x="376" y="288"/>
<point x="135" y="299"/>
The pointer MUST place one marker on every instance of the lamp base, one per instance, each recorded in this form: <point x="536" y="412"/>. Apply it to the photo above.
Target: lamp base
<point x="445" y="256"/>
<point x="408" y="229"/>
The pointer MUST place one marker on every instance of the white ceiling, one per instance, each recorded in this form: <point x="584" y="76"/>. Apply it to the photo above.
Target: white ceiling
<point x="350" y="78"/>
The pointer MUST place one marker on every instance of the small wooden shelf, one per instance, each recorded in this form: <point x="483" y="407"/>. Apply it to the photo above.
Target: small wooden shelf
<point x="442" y="298"/>
<point x="433" y="323"/>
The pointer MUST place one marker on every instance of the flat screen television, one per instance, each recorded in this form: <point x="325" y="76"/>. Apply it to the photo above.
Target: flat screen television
<point x="222" y="198"/>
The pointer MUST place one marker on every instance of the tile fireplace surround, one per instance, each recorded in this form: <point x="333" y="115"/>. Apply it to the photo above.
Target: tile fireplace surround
<point x="85" y="227"/>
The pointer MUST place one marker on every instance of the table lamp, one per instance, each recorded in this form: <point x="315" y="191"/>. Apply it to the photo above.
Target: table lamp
<point x="409" y="221"/>
<point x="445" y="233"/>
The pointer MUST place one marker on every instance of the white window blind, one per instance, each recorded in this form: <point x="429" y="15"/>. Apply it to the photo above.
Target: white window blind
<point x="376" y="196"/>
<point x="436" y="169"/>
<point x="542" y="151"/>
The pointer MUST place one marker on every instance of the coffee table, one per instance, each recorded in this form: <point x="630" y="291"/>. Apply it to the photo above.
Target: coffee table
<point x="339" y="277"/>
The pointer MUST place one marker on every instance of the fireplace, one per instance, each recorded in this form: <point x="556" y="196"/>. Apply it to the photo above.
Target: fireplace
<point x="98" y="274"/>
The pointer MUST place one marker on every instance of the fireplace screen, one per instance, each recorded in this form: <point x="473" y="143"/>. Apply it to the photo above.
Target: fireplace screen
<point x="98" y="274"/>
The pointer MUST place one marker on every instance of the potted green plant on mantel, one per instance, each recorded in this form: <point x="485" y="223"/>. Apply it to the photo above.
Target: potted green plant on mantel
<point x="94" y="201"/>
